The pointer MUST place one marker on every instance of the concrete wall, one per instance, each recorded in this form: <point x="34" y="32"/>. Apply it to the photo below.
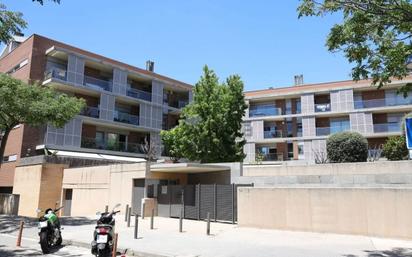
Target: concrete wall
<point x="382" y="212"/>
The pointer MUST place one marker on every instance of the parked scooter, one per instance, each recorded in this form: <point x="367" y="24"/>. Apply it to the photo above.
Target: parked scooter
<point x="49" y="230"/>
<point x="102" y="244"/>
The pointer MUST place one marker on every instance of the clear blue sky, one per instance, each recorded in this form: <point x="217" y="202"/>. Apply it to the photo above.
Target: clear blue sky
<point x="262" y="40"/>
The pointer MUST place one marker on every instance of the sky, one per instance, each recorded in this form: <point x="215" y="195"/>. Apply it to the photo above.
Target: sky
<point x="263" y="41"/>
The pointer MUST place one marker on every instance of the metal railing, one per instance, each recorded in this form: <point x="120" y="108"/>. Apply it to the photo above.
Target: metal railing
<point x="126" y="118"/>
<point x="273" y="134"/>
<point x="382" y="102"/>
<point x="92" y="143"/>
<point x="96" y="83"/>
<point x="264" y="110"/>
<point x="322" y="107"/>
<point x="387" y="127"/>
<point x="139" y="94"/>
<point x="90" y="112"/>
<point x="55" y="73"/>
<point x="271" y="156"/>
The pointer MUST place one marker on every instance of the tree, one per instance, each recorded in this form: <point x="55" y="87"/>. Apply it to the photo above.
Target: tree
<point x="210" y="127"/>
<point x="375" y="35"/>
<point x="33" y="105"/>
<point x="11" y="23"/>
<point x="347" y="147"/>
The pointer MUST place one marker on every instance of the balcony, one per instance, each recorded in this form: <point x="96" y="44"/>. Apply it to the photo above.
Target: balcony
<point x="90" y="112"/>
<point x="387" y="127"/>
<point x="56" y="73"/>
<point x="326" y="131"/>
<point x="375" y="103"/>
<point x="272" y="157"/>
<point x="98" y="84"/>
<point x="92" y="143"/>
<point x="139" y="94"/>
<point x="125" y="117"/>
<point x="273" y="134"/>
<point x="322" y="107"/>
<point x="264" y="110"/>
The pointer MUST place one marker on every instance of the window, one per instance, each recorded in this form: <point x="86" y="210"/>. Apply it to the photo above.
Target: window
<point x="298" y="106"/>
<point x="339" y="125"/>
<point x="301" y="151"/>
<point x="10" y="158"/>
<point x="18" y="66"/>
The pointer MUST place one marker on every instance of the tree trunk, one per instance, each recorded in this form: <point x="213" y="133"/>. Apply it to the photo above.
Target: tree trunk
<point x="3" y="144"/>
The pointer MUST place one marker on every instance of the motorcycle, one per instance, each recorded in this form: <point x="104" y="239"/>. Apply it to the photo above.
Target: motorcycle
<point x="49" y="229"/>
<point x="102" y="244"/>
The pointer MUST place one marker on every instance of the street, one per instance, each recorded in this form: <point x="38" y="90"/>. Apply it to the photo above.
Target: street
<point x="30" y="247"/>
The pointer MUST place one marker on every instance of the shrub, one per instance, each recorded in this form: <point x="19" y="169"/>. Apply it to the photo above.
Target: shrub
<point x="347" y="147"/>
<point x="395" y="148"/>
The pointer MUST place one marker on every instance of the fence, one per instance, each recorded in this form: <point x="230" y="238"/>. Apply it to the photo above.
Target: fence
<point x="9" y="204"/>
<point x="198" y="200"/>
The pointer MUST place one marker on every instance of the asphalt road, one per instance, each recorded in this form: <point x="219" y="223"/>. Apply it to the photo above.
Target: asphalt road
<point x="30" y="247"/>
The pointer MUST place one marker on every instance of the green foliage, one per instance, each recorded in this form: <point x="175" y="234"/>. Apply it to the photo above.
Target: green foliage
<point x="173" y="147"/>
<point x="395" y="148"/>
<point x="374" y="35"/>
<point x="11" y="23"/>
<point x="347" y="147"/>
<point x="259" y="158"/>
<point x="210" y="127"/>
<point x="33" y="105"/>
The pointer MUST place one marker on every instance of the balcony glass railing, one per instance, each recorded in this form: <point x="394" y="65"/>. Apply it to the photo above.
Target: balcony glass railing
<point x="92" y="143"/>
<point x="90" y="112"/>
<point x="96" y="83"/>
<point x="126" y="118"/>
<point x="322" y="107"/>
<point x="56" y="73"/>
<point x="264" y="110"/>
<point x="325" y="131"/>
<point x="139" y="94"/>
<point x="387" y="127"/>
<point x="272" y="134"/>
<point x="375" y="103"/>
<point x="271" y="157"/>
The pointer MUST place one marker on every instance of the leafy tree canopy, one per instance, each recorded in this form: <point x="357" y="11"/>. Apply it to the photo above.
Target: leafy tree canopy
<point x="210" y="127"/>
<point x="33" y="105"/>
<point x="375" y="35"/>
<point x="11" y="23"/>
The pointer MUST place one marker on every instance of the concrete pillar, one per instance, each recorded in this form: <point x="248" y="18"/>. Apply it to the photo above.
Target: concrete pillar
<point x="107" y="106"/>
<point x="157" y="92"/>
<point x="119" y="81"/>
<point x="75" y="69"/>
<point x="307" y="103"/>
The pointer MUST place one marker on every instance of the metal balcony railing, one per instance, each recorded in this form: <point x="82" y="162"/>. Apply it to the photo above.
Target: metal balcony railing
<point x="322" y="107"/>
<point x="55" y="73"/>
<point x="139" y="94"/>
<point x="325" y="131"/>
<point x="98" y="84"/>
<point x="90" y="112"/>
<point x="271" y="156"/>
<point x="92" y="143"/>
<point x="387" y="127"/>
<point x="126" y="118"/>
<point x="375" y="103"/>
<point x="273" y="134"/>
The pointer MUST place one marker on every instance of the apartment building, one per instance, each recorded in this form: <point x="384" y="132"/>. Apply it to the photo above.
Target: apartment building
<point x="293" y="123"/>
<point x="126" y="106"/>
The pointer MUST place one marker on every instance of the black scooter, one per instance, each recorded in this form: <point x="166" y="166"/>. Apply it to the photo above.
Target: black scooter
<point x="102" y="244"/>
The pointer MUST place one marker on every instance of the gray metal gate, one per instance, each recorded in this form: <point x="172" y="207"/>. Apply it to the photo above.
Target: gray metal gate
<point x="199" y="200"/>
<point x="137" y="195"/>
<point x="68" y="195"/>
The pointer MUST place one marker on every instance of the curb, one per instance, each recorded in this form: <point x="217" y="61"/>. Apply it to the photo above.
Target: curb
<point x="129" y="252"/>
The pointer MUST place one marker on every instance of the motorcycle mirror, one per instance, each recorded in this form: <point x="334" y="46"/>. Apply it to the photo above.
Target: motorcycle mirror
<point x="38" y="210"/>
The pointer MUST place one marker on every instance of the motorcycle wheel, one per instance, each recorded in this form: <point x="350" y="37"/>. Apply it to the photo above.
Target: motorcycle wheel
<point x="60" y="240"/>
<point x="103" y="253"/>
<point x="44" y="242"/>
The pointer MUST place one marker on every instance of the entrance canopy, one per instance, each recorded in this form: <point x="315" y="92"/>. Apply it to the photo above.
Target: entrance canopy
<point x="189" y="168"/>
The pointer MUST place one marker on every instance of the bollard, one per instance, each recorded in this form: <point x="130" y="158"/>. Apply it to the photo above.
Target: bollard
<point x="136" y="225"/>
<point x="208" y="224"/>
<point x="129" y="213"/>
<point x="144" y="209"/>
<point x="126" y="212"/>
<point x="18" y="243"/>
<point x="106" y="208"/>
<point x="180" y="223"/>
<point x="114" y="251"/>
<point x="152" y="219"/>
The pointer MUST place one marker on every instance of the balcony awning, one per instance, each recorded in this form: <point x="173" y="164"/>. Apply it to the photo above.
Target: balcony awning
<point x="95" y="156"/>
<point x="187" y="167"/>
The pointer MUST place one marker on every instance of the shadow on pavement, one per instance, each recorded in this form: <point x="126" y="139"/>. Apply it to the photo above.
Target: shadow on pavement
<point x="395" y="252"/>
<point x="10" y="223"/>
<point x="7" y="252"/>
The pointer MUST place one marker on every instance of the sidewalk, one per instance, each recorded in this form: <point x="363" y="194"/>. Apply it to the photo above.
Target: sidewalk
<point x="231" y="240"/>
